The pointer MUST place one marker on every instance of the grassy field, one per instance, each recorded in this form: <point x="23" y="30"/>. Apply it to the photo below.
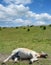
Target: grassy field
<point x="35" y="38"/>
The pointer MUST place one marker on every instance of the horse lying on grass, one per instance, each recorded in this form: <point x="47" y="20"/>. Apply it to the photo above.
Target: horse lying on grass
<point x="24" y="53"/>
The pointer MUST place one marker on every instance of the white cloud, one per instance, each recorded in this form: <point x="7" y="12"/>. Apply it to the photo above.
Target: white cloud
<point x="18" y="1"/>
<point x="13" y="11"/>
<point x="43" y="16"/>
<point x="39" y="18"/>
<point x="40" y="23"/>
<point x="23" y="22"/>
<point x="19" y="20"/>
<point x="21" y="15"/>
<point x="30" y="14"/>
<point x="14" y="14"/>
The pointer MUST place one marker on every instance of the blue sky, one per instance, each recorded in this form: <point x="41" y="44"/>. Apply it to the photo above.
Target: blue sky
<point x="40" y="6"/>
<point x="25" y="12"/>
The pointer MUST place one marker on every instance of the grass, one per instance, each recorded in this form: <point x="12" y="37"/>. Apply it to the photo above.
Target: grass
<point x="36" y="39"/>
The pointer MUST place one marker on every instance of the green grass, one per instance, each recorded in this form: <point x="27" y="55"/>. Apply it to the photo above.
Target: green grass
<point x="36" y="39"/>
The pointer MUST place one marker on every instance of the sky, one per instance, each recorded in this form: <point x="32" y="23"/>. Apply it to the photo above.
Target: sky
<point x="25" y="12"/>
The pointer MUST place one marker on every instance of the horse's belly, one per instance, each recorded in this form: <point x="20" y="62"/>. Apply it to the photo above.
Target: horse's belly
<point x="24" y="55"/>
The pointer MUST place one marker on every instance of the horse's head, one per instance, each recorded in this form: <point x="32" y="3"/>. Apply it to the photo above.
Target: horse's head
<point x="43" y="55"/>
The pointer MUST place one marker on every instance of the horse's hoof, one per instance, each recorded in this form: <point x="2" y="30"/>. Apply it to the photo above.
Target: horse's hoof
<point x="30" y="62"/>
<point x="3" y="64"/>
